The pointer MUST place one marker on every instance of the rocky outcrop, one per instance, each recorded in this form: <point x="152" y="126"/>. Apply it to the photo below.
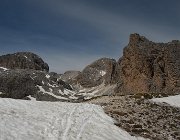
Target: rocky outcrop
<point x="23" y="60"/>
<point x="27" y="84"/>
<point x="96" y="73"/>
<point x="148" y="67"/>
<point x="25" y="75"/>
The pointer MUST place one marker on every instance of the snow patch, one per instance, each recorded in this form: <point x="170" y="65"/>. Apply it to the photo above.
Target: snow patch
<point x="171" y="100"/>
<point x="54" y="85"/>
<point x="20" y="120"/>
<point x="31" y="98"/>
<point x="102" y="73"/>
<point x="4" y="69"/>
<point x="48" y="76"/>
<point x="50" y="93"/>
<point x="100" y="90"/>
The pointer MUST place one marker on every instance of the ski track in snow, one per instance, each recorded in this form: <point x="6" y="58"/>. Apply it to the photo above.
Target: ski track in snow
<point x="68" y="124"/>
<point x="35" y="120"/>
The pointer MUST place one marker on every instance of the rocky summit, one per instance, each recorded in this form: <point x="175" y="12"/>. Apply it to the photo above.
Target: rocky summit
<point x="23" y="60"/>
<point x="96" y="73"/>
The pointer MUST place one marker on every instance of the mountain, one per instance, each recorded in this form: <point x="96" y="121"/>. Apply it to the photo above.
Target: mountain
<point x="145" y="67"/>
<point x="148" y="67"/>
<point x="140" y="92"/>
<point x="23" y="60"/>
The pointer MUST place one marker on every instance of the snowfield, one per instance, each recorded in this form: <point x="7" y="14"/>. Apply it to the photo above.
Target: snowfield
<point x="171" y="100"/>
<point x="34" y="120"/>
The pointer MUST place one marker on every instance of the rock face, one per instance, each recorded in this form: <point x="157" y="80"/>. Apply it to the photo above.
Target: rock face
<point x="25" y="75"/>
<point x="148" y="67"/>
<point x="70" y="76"/>
<point x="96" y="73"/>
<point x="26" y="84"/>
<point x="23" y="60"/>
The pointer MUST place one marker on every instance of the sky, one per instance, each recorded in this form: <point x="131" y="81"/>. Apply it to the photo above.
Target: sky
<point x="70" y="34"/>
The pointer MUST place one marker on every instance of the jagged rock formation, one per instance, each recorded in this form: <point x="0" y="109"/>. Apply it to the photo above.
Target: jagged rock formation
<point x="96" y="73"/>
<point x="23" y="60"/>
<point x="149" y="67"/>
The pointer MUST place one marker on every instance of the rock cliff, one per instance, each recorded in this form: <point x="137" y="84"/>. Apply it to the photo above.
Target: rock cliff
<point x="148" y="67"/>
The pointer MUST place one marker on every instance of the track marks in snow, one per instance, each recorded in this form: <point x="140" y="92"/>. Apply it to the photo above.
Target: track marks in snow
<point x="21" y="120"/>
<point x="68" y="123"/>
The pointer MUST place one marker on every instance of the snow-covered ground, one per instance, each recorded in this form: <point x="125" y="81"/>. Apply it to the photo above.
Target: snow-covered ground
<point x="33" y="120"/>
<point x="171" y="100"/>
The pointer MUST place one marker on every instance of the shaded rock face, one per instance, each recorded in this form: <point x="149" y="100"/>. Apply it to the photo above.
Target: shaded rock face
<point x="22" y="84"/>
<point x="96" y="73"/>
<point x="148" y="67"/>
<point x="70" y="76"/>
<point x="23" y="60"/>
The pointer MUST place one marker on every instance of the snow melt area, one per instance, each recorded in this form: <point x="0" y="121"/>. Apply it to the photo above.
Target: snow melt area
<point x="4" y="69"/>
<point x="22" y="119"/>
<point x="171" y="100"/>
<point x="31" y="98"/>
<point x="50" y="93"/>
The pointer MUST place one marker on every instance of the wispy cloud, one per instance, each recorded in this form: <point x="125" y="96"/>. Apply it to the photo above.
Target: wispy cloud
<point x="115" y="26"/>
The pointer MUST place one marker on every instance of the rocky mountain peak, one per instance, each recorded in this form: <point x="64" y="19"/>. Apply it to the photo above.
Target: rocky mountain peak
<point x="136" y="38"/>
<point x="97" y="72"/>
<point x="147" y="66"/>
<point x="23" y="60"/>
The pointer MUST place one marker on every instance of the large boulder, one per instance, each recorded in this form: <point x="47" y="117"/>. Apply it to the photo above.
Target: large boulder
<point x="98" y="72"/>
<point x="149" y="67"/>
<point x="23" y="60"/>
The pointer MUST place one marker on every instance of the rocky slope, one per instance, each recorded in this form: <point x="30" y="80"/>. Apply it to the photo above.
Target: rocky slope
<point x="142" y="117"/>
<point x="96" y="73"/>
<point x="148" y="67"/>
<point x="33" y="84"/>
<point x="23" y="60"/>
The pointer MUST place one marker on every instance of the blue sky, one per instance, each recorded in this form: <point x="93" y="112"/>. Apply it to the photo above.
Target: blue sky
<point x="69" y="34"/>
